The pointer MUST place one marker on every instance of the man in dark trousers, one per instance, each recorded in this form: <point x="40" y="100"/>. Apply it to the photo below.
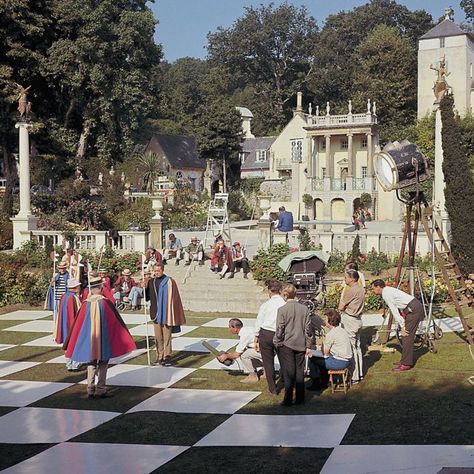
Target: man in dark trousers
<point x="293" y="338"/>
<point x="166" y="311"/>
<point x="408" y="312"/>
<point x="265" y="331"/>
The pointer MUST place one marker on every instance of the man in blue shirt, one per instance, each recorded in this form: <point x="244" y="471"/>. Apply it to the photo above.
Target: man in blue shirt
<point x="285" y="220"/>
<point x="174" y="248"/>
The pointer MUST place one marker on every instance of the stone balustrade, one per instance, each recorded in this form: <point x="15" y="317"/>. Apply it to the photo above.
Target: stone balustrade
<point x="91" y="240"/>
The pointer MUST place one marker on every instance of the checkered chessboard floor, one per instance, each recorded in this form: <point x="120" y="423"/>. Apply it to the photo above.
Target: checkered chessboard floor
<point x="161" y="418"/>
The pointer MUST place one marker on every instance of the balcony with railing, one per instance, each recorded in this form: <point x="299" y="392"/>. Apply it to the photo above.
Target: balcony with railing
<point x="282" y="165"/>
<point x="343" y="184"/>
<point x="344" y="120"/>
<point x="317" y="184"/>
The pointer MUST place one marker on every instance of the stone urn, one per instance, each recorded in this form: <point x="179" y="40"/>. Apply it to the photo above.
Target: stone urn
<point x="265" y="203"/>
<point x="157" y="205"/>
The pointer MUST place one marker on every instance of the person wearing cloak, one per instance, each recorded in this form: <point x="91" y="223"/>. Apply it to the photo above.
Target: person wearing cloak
<point x="166" y="311"/>
<point x="97" y="335"/>
<point x="57" y="288"/>
<point x="68" y="308"/>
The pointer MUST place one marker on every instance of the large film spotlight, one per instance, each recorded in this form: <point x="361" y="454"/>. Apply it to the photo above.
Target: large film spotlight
<point x="400" y="165"/>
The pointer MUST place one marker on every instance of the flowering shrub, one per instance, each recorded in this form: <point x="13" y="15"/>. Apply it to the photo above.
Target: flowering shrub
<point x="112" y="261"/>
<point x="265" y="263"/>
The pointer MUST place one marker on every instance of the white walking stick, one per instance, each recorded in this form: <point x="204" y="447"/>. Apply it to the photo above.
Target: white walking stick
<point x="101" y="251"/>
<point x="145" y="310"/>
<point x="54" y="287"/>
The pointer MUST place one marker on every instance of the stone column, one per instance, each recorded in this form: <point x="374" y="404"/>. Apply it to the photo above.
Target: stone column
<point x="310" y="160"/>
<point x="370" y="153"/>
<point x="350" y="155"/>
<point x="24" y="169"/>
<point x="157" y="226"/>
<point x="439" y="202"/>
<point x="329" y="159"/>
<point x="24" y="221"/>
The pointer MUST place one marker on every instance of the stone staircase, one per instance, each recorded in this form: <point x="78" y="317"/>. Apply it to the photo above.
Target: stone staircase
<point x="202" y="290"/>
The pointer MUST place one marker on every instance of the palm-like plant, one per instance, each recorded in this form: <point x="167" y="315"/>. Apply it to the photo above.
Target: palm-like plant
<point x="150" y="166"/>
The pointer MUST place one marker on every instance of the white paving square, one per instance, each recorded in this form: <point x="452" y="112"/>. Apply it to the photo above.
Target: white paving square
<point x="214" y="364"/>
<point x="428" y="459"/>
<point x="33" y="326"/>
<point x="224" y="322"/>
<point x="144" y="375"/>
<point x="49" y="425"/>
<point x="98" y="458"/>
<point x="25" y="315"/>
<point x="305" y="431"/>
<point x="115" y="360"/>
<point x="45" y="341"/>
<point x="369" y="319"/>
<point x="194" y="344"/>
<point x="4" y="347"/>
<point x="135" y="318"/>
<point x="18" y="393"/>
<point x="8" y="367"/>
<point x="141" y="330"/>
<point x="196" y="401"/>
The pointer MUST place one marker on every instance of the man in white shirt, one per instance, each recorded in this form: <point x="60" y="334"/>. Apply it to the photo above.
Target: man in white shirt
<point x="265" y="331"/>
<point x="251" y="359"/>
<point x="408" y="312"/>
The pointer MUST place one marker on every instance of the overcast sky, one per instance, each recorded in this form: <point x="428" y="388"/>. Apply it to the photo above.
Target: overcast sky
<point x="184" y="24"/>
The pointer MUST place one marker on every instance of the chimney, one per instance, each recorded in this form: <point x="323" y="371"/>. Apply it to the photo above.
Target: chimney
<point x="299" y="102"/>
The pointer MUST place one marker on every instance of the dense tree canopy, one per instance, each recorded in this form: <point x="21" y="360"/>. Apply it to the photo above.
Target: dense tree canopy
<point x="269" y="49"/>
<point x="90" y="65"/>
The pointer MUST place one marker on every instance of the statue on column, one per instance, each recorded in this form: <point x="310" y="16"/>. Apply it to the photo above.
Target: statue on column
<point x="24" y="107"/>
<point x="441" y="86"/>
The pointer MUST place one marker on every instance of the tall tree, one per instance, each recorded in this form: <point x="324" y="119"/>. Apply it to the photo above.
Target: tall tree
<point x="459" y="191"/>
<point x="24" y="37"/>
<point x="100" y="70"/>
<point x="386" y="73"/>
<point x="219" y="133"/>
<point x="270" y="49"/>
<point x="335" y="62"/>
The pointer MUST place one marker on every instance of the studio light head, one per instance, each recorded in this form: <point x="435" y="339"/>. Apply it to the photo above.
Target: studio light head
<point x="400" y="165"/>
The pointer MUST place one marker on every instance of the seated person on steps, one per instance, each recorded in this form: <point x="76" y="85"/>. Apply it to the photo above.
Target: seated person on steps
<point x="152" y="257"/>
<point x="174" y="248"/>
<point x="336" y="352"/>
<point x="137" y="292"/>
<point x="194" y="251"/>
<point x="239" y="260"/>
<point x="221" y="258"/>
<point x="123" y="285"/>
<point x="251" y="359"/>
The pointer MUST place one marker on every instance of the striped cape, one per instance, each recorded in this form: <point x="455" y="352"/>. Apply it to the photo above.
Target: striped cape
<point x="165" y="305"/>
<point x="49" y="300"/>
<point x="98" y="333"/>
<point x="68" y="309"/>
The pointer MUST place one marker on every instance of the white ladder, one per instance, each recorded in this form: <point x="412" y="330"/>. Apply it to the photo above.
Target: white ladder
<point x="217" y="220"/>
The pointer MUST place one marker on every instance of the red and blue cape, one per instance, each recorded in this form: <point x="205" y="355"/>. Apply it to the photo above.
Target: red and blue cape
<point x="68" y="309"/>
<point x="98" y="333"/>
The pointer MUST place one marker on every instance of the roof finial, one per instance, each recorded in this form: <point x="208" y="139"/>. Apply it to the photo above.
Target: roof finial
<point x="328" y="108"/>
<point x="449" y="14"/>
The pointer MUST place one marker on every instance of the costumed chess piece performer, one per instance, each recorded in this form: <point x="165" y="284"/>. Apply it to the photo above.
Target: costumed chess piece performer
<point x="68" y="309"/>
<point x="97" y="335"/>
<point x="166" y="311"/>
